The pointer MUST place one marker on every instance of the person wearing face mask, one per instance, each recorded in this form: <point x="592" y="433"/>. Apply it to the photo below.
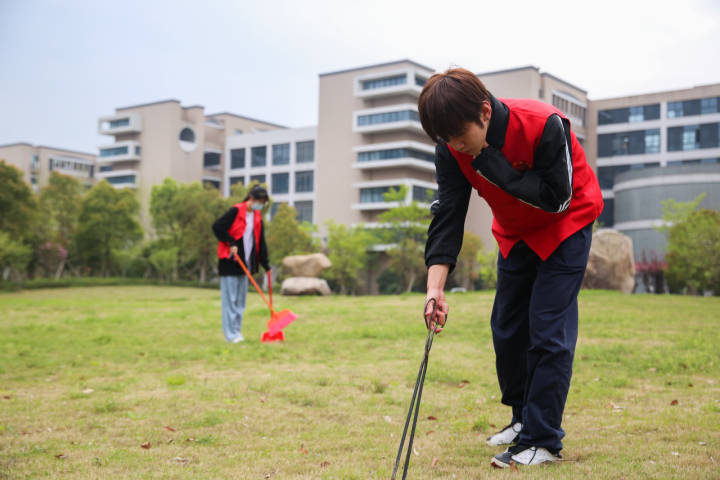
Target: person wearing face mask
<point x="240" y="231"/>
<point x="523" y="159"/>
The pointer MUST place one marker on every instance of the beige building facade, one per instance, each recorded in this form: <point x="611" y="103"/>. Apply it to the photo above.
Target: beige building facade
<point x="37" y="161"/>
<point x="154" y="141"/>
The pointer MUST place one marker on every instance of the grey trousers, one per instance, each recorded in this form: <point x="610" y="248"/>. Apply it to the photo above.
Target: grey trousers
<point x="233" y="290"/>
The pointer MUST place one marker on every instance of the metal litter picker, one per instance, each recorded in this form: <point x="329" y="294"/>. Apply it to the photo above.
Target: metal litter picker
<point x="278" y="320"/>
<point x="417" y="392"/>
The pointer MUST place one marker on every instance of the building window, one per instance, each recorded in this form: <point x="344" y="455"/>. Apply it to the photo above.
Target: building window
<point x="686" y="108"/>
<point x="607" y="217"/>
<point x="693" y="137"/>
<point x="420" y="81"/>
<point x="304" y="181"/>
<point x="123" y="122"/>
<point x="374" y="194"/>
<point x="106" y="168"/>
<point x="629" y="143"/>
<point x="211" y="160"/>
<point x="274" y="209"/>
<point x="258" y="156"/>
<point x="387" y="117"/>
<point x="384" y="82"/>
<point x="606" y="175"/>
<point x="629" y="114"/>
<point x="238" y="131"/>
<point x="214" y="183"/>
<point x="257" y="178"/>
<point x="234" y="180"/>
<point x="305" y="151"/>
<point x="237" y="158"/>
<point x="304" y="211"/>
<point x="187" y="135"/>
<point x="709" y="105"/>
<point x="280" y="182"/>
<point x="281" y="154"/>
<point x="120" y="179"/>
<point x="423" y="194"/>
<point x="393" y="153"/>
<point x="113" y="151"/>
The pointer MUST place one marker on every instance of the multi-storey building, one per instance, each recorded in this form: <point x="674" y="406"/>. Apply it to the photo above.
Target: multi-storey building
<point x="284" y="160"/>
<point x="164" y="139"/>
<point x="653" y="147"/>
<point x="36" y="163"/>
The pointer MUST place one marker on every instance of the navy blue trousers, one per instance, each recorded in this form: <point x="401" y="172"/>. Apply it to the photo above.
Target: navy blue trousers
<point x="534" y="326"/>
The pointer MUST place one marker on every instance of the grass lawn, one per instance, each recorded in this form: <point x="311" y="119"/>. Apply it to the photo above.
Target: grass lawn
<point x="89" y="375"/>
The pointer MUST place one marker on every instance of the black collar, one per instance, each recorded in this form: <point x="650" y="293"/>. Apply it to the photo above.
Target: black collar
<point x="498" y="123"/>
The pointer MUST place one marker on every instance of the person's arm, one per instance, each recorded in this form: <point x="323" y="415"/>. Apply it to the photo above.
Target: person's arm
<point x="222" y="226"/>
<point x="263" y="251"/>
<point x="548" y="184"/>
<point x="445" y="232"/>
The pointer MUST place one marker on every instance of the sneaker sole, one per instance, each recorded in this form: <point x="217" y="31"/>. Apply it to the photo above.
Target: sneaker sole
<point x="498" y="464"/>
<point x="498" y="444"/>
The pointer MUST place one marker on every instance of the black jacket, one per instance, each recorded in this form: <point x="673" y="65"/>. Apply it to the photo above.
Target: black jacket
<point x="229" y="267"/>
<point x="547" y="185"/>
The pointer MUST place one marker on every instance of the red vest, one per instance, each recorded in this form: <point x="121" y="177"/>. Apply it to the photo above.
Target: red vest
<point x="237" y="229"/>
<point x="514" y="220"/>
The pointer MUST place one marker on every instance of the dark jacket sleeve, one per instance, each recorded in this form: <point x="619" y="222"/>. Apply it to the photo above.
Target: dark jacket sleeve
<point x="263" y="249"/>
<point x="548" y="184"/>
<point x="445" y="233"/>
<point x="223" y="224"/>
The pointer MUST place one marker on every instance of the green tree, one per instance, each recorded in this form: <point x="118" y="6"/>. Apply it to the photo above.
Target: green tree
<point x="14" y="257"/>
<point x="60" y="206"/>
<point x="347" y="250"/>
<point x="107" y="222"/>
<point x="164" y="261"/>
<point x="693" y="245"/>
<point x="406" y="230"/>
<point x="18" y="208"/>
<point x="487" y="261"/>
<point x="286" y="236"/>
<point x="467" y="270"/>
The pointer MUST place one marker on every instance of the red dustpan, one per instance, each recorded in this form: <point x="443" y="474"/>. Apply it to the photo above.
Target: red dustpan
<point x="278" y="320"/>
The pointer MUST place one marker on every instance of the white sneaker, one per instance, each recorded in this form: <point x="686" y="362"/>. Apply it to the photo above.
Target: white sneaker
<point x="524" y="455"/>
<point x="238" y="339"/>
<point x="506" y="436"/>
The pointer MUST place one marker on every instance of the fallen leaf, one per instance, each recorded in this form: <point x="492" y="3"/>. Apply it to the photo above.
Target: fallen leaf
<point x="690" y="384"/>
<point x="702" y="443"/>
<point x="683" y="366"/>
<point x="145" y="445"/>
<point x="169" y="429"/>
<point x="170" y="440"/>
<point x="262" y="399"/>
<point x="463" y="383"/>
<point x="180" y="460"/>
<point x="190" y="439"/>
<point x="434" y="462"/>
<point x="60" y="456"/>
<point x="652" y="369"/>
<point x="492" y="425"/>
<point x="674" y="402"/>
<point x="303" y="450"/>
<point x="88" y="391"/>
<point x="429" y="432"/>
<point x="6" y="397"/>
<point x="324" y="464"/>
<point x="431" y="417"/>
<point x="513" y="466"/>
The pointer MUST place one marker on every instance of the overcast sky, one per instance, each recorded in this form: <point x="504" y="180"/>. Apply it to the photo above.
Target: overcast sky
<point x="65" y="63"/>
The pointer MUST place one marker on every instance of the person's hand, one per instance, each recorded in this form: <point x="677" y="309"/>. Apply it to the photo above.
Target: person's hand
<point x="441" y="311"/>
<point x="233" y="251"/>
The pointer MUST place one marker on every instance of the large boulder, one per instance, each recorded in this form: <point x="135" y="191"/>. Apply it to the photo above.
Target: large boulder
<point x="611" y="265"/>
<point x="305" y="286"/>
<point x="306" y="265"/>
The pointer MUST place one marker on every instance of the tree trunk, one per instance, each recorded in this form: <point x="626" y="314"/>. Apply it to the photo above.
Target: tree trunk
<point x="60" y="270"/>
<point x="411" y="282"/>
<point x="203" y="269"/>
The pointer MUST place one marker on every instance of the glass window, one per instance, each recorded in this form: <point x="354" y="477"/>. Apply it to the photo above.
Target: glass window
<point x="691" y="107"/>
<point x="113" y="151"/>
<point x="423" y="194"/>
<point x="258" y="156"/>
<point x="214" y="183"/>
<point x="387" y="117"/>
<point x="636" y="114"/>
<point x="692" y="137"/>
<point x="123" y="122"/>
<point x="237" y="158"/>
<point x="211" y="160"/>
<point x="606" y="175"/>
<point x="304" y="181"/>
<point x="234" y="180"/>
<point x="106" y="168"/>
<point x="374" y="194"/>
<point x="121" y="179"/>
<point x="280" y="182"/>
<point x="187" y="135"/>
<point x="629" y="143"/>
<point x="607" y="217"/>
<point x="639" y="113"/>
<point x="709" y="105"/>
<point x="281" y="154"/>
<point x="699" y="106"/>
<point x="384" y="82"/>
<point x="651" y="112"/>
<point x="420" y="81"/>
<point x="304" y="211"/>
<point x="305" y="151"/>
<point x="257" y="178"/>
<point x="674" y="109"/>
<point x="393" y="153"/>
<point x="274" y="208"/>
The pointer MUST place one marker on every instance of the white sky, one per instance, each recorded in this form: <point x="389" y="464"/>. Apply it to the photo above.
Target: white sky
<point x="65" y="63"/>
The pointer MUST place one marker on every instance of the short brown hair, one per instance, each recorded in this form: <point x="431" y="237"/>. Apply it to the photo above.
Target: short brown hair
<point x="448" y="101"/>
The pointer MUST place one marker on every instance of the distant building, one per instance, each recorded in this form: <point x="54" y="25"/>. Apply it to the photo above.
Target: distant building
<point x="36" y="163"/>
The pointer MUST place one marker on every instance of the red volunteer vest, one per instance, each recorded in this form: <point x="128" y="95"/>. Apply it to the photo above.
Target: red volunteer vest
<point x="237" y="229"/>
<point x="514" y="220"/>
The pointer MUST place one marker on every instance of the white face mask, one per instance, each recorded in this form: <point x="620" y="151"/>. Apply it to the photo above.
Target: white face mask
<point x="257" y="206"/>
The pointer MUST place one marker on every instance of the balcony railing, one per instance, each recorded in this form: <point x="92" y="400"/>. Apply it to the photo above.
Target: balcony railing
<point x="117" y="124"/>
<point x="119" y="152"/>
